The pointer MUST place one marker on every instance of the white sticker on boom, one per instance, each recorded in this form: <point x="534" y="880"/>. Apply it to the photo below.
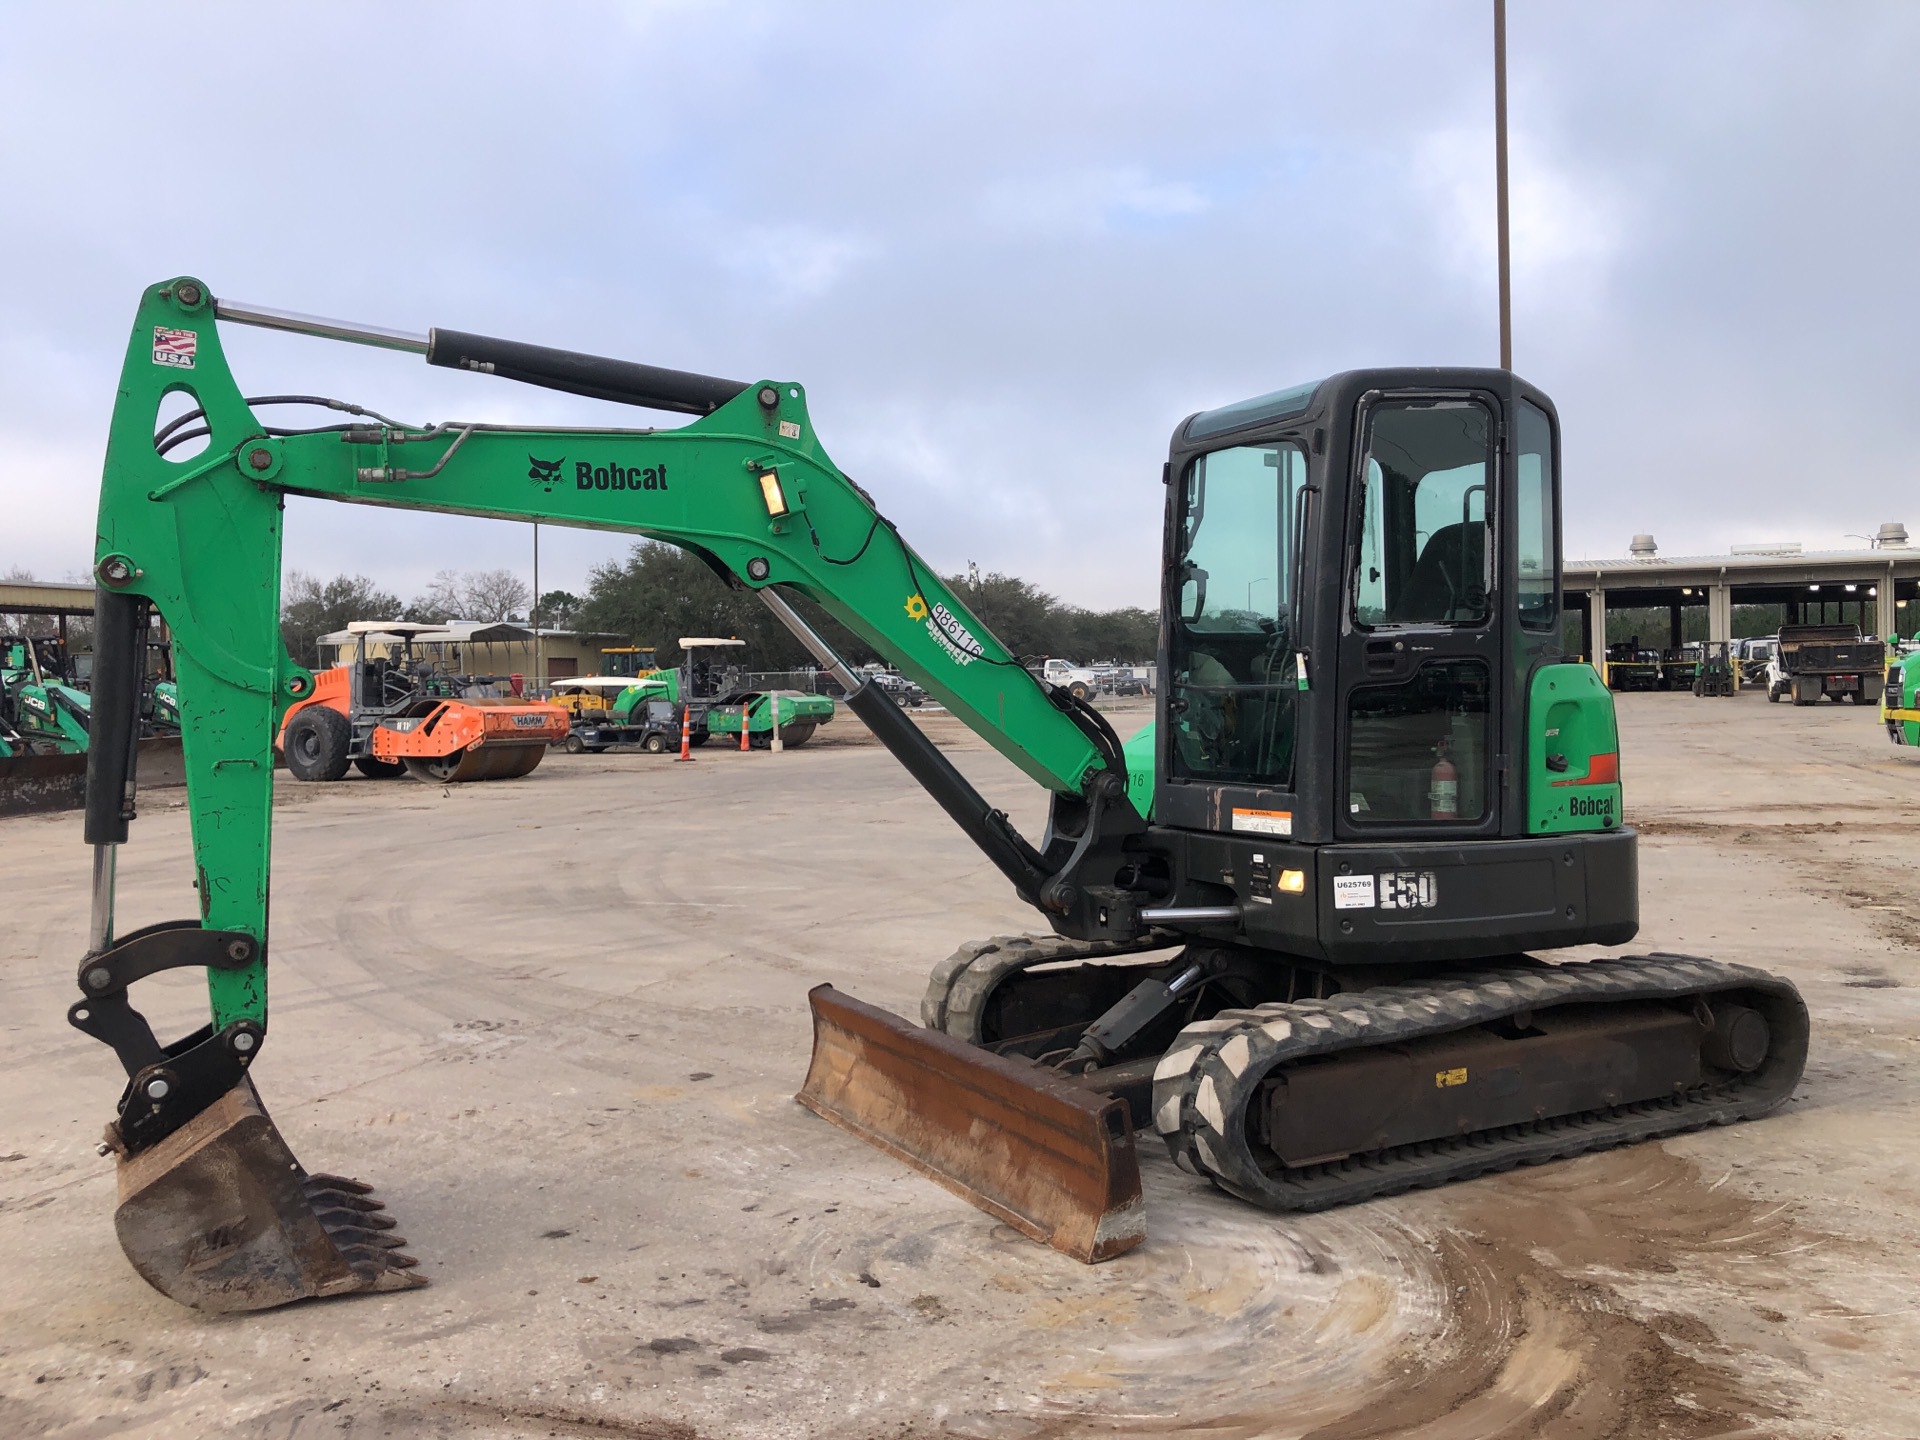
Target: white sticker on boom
<point x="789" y="430"/>
<point x="1264" y="822"/>
<point x="174" y="347"/>
<point x="1353" y="892"/>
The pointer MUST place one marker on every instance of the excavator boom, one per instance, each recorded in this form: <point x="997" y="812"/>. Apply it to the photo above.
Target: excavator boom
<point x="215" y="1211"/>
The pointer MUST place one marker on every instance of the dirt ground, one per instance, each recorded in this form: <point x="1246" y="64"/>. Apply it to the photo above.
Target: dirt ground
<point x="559" y="1022"/>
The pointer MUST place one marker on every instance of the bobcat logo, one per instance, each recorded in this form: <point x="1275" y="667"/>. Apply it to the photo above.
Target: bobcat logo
<point x="545" y="473"/>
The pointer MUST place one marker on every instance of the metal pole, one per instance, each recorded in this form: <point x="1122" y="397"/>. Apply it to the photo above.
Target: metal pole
<point x="533" y="612"/>
<point x="1500" y="177"/>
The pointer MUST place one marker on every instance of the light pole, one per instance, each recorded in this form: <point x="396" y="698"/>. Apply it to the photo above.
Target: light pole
<point x="1500" y="177"/>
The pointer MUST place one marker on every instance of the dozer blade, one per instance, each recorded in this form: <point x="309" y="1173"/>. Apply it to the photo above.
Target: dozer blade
<point x="220" y="1216"/>
<point x="1053" y="1160"/>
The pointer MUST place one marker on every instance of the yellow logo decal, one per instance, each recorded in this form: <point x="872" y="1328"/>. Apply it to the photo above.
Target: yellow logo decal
<point x="916" y="608"/>
<point x="1442" y="1079"/>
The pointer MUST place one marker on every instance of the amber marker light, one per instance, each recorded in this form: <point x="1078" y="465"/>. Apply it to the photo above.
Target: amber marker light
<point x="771" y="492"/>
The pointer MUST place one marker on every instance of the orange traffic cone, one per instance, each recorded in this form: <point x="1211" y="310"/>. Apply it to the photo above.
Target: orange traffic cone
<point x="743" y="728"/>
<point x="686" y="733"/>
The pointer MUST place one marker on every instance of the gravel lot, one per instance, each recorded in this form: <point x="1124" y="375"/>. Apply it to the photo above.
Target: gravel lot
<point x="559" y="1021"/>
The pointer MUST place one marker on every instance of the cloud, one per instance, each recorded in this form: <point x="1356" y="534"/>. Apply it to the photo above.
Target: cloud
<point x="785" y="262"/>
<point x="1006" y="247"/>
<point x="1088" y="203"/>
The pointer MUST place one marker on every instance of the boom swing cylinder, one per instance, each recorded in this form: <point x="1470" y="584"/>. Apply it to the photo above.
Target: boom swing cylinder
<point x="1361" y="582"/>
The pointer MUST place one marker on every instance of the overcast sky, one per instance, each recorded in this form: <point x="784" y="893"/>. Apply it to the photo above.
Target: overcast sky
<point x="1007" y="248"/>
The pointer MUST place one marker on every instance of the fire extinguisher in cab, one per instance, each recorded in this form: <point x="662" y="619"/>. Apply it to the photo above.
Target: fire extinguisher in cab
<point x="1443" y="788"/>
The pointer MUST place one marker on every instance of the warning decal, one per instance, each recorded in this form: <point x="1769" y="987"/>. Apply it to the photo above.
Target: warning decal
<point x="1264" y="822"/>
<point x="174" y="347"/>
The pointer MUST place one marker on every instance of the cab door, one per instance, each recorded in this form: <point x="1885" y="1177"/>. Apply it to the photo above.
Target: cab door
<point x="1420" y="663"/>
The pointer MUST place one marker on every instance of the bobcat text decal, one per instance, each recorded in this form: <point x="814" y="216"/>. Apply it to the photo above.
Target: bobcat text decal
<point x="589" y="476"/>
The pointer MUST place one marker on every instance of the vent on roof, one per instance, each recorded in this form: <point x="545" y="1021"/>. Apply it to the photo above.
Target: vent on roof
<point x="1769" y="547"/>
<point x="1893" y="536"/>
<point x="1643" y="547"/>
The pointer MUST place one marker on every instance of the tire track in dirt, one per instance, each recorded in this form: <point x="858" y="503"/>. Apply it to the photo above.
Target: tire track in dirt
<point x="1506" y="1309"/>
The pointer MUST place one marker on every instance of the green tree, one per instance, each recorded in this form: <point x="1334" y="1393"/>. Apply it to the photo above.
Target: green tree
<point x="310" y="609"/>
<point x="1032" y="623"/>
<point x="660" y="593"/>
<point x="557" y="608"/>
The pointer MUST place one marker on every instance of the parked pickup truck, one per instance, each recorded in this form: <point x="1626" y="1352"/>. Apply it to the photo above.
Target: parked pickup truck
<point x="1081" y="681"/>
<point x="1837" y="660"/>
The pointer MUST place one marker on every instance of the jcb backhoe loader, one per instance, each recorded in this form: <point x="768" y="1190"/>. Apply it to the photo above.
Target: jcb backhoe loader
<point x="38" y="700"/>
<point x="1289" y="924"/>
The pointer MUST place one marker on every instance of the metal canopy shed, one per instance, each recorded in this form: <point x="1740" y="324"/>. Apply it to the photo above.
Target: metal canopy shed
<point x="1881" y="582"/>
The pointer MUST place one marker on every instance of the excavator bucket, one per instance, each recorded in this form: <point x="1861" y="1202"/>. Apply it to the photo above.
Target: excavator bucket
<point x="221" y="1217"/>
<point x="1051" y="1159"/>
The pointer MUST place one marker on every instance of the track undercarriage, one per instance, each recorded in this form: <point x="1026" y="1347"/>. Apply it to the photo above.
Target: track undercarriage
<point x="1298" y="1087"/>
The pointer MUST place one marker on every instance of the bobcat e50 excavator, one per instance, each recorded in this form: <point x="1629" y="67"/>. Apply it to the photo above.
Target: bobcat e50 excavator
<point x="1289" y="922"/>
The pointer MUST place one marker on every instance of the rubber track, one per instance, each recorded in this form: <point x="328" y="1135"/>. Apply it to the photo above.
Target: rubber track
<point x="959" y="986"/>
<point x="1205" y="1085"/>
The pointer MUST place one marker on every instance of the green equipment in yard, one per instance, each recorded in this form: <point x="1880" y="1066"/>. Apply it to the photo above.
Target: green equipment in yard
<point x="1714" y="674"/>
<point x="798" y="713"/>
<point x="48" y="715"/>
<point x="1285" y="929"/>
<point x="1900" y="699"/>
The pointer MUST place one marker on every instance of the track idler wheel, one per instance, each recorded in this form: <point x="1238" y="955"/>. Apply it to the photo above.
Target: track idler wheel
<point x="220" y="1217"/>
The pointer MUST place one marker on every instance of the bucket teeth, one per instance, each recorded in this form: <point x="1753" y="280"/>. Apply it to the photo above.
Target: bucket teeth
<point x="347" y="1219"/>
<point x="221" y="1217"/>
<point x="342" y="1183"/>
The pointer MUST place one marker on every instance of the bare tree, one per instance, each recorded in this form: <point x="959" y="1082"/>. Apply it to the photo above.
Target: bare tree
<point x="472" y="595"/>
<point x="494" y="595"/>
<point x="310" y="609"/>
<point x="442" y="600"/>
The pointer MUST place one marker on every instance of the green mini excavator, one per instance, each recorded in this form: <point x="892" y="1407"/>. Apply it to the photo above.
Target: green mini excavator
<point x="1288" y="929"/>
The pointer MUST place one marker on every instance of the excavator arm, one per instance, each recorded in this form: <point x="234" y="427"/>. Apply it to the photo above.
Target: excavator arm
<point x="197" y="537"/>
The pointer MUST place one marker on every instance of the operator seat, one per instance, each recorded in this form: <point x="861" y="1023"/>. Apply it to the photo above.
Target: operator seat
<point x="1448" y="580"/>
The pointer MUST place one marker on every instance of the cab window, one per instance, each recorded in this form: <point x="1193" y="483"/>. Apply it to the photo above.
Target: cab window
<point x="1232" y="693"/>
<point x="1421" y="552"/>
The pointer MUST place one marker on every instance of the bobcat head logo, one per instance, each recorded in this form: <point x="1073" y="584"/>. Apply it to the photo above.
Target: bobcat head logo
<point x="545" y="473"/>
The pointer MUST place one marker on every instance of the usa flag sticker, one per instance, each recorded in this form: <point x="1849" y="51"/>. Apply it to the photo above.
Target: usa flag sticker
<point x="174" y="347"/>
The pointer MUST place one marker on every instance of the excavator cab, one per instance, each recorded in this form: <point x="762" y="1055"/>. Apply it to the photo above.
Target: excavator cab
<point x="1361" y="587"/>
